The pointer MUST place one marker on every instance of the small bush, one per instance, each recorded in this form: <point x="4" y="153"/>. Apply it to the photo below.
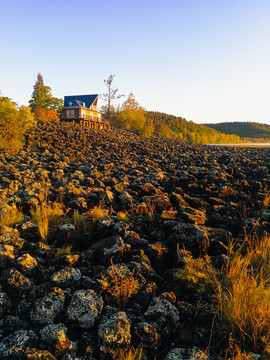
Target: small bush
<point x="123" y="216"/>
<point x="119" y="286"/>
<point x="11" y="215"/>
<point x="98" y="212"/>
<point x="47" y="214"/>
<point x="130" y="354"/>
<point x="63" y="250"/>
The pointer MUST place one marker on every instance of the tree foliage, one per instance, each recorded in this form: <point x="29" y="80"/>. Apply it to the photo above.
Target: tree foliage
<point x="14" y="122"/>
<point x="46" y="115"/>
<point x="42" y="97"/>
<point x="243" y="129"/>
<point x="132" y="116"/>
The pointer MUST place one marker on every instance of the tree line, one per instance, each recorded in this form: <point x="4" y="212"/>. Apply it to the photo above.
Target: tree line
<point x="244" y="129"/>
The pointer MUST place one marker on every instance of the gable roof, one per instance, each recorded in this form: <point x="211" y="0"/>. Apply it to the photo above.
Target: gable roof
<point x="78" y="100"/>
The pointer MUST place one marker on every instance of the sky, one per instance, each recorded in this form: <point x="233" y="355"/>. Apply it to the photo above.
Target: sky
<point x="204" y="60"/>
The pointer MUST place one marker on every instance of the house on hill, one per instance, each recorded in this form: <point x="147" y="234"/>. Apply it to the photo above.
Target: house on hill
<point x="82" y="109"/>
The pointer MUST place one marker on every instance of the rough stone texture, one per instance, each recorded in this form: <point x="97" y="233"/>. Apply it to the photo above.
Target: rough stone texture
<point x="54" y="335"/>
<point x="13" y="346"/>
<point x="114" y="333"/>
<point x="186" y="354"/>
<point x="48" y="307"/>
<point x="164" y="314"/>
<point x="84" y="308"/>
<point x="66" y="276"/>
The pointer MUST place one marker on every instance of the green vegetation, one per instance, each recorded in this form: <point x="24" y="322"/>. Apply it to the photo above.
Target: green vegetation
<point x="243" y="129"/>
<point x="147" y="123"/>
<point x="42" y="98"/>
<point x="14" y="122"/>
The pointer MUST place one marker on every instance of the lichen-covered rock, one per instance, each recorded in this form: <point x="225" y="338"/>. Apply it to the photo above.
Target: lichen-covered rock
<point x="6" y="256"/>
<point x="66" y="277"/>
<point x="13" y="346"/>
<point x="54" y="335"/>
<point x="148" y="336"/>
<point x="164" y="314"/>
<point x="17" y="283"/>
<point x="114" y="333"/>
<point x="84" y="308"/>
<point x="186" y="354"/>
<point x="36" y="354"/>
<point x="10" y="236"/>
<point x="47" y="308"/>
<point x="4" y="303"/>
<point x="27" y="262"/>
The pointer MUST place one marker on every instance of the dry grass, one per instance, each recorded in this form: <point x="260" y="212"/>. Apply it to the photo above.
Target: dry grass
<point x="130" y="354"/>
<point x="244" y="294"/>
<point x="119" y="286"/>
<point x="11" y="215"/>
<point x="98" y="212"/>
<point x="123" y="215"/>
<point x="63" y="250"/>
<point x="241" y="290"/>
<point x="266" y="200"/>
<point x="47" y="214"/>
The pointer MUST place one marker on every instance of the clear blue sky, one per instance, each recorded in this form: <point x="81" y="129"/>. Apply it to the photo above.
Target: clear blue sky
<point x="205" y="60"/>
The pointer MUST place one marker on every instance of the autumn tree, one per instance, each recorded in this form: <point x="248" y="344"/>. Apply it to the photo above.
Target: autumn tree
<point x="110" y="96"/>
<point x="42" y="97"/>
<point x="14" y="122"/>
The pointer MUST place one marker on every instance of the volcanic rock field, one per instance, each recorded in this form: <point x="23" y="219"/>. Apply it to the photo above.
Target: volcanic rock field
<point x="132" y="207"/>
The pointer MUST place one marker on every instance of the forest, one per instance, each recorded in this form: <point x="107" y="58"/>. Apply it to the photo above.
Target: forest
<point x="243" y="129"/>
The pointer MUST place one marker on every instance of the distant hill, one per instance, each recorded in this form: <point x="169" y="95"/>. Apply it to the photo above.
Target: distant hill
<point x="243" y="129"/>
<point x="174" y="126"/>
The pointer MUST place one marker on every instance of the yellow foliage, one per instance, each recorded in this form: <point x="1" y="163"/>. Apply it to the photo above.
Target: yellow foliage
<point x="123" y="216"/>
<point x="130" y="354"/>
<point x="119" y="286"/>
<point x="45" y="214"/>
<point x="98" y="212"/>
<point x="63" y="250"/>
<point x="11" y="215"/>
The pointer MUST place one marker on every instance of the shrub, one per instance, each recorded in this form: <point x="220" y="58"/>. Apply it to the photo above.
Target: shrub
<point x="63" y="250"/>
<point x="98" y="212"/>
<point x="47" y="214"/>
<point x="130" y="354"/>
<point x="123" y="216"/>
<point x="118" y="285"/>
<point x="14" y="122"/>
<point x="11" y="215"/>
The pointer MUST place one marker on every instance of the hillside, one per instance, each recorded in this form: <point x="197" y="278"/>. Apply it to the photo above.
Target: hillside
<point x="110" y="242"/>
<point x="170" y="125"/>
<point x="243" y="129"/>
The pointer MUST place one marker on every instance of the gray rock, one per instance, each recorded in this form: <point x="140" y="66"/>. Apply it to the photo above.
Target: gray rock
<point x="47" y="308"/>
<point x="54" y="335"/>
<point x="66" y="276"/>
<point x="114" y="333"/>
<point x="186" y="354"/>
<point x="164" y="314"/>
<point x="4" y="303"/>
<point x="84" y="308"/>
<point x="13" y="346"/>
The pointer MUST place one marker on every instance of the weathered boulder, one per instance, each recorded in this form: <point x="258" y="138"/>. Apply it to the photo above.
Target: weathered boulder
<point x="14" y="345"/>
<point x="114" y="333"/>
<point x="54" y="335"/>
<point x="84" y="308"/>
<point x="164" y="314"/>
<point x="66" y="277"/>
<point x="186" y="354"/>
<point x="48" y="307"/>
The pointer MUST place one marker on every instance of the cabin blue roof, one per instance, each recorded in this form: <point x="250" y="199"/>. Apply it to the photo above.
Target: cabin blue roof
<point x="78" y="100"/>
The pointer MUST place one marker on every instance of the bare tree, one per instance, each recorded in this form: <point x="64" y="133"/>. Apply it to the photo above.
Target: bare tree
<point x="110" y="95"/>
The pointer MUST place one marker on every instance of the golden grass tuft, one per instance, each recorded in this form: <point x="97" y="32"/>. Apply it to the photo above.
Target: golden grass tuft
<point x="123" y="216"/>
<point x="63" y="250"/>
<point x="11" y="215"/>
<point x="119" y="286"/>
<point x="129" y="354"/>
<point x="98" y="212"/>
<point x="47" y="214"/>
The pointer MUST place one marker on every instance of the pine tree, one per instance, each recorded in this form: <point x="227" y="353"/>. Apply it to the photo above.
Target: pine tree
<point x="42" y="97"/>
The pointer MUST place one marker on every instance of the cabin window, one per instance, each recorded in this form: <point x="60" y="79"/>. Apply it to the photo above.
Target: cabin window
<point x="70" y="114"/>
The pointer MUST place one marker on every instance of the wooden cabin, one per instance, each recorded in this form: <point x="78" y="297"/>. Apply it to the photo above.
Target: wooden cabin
<point x="82" y="109"/>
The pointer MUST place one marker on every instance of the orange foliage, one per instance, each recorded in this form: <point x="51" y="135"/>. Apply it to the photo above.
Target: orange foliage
<point x="46" y="115"/>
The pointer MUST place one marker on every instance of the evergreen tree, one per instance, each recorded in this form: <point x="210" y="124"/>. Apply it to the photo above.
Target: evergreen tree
<point x="42" y="97"/>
